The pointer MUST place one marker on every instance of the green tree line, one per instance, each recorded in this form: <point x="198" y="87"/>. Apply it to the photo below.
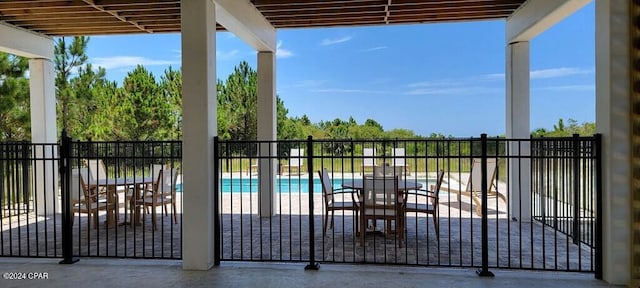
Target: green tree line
<point x="143" y="107"/>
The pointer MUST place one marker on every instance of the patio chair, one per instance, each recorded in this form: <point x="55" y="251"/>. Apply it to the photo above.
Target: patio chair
<point x="97" y="169"/>
<point x="388" y="171"/>
<point x="163" y="194"/>
<point x="296" y="160"/>
<point x="425" y="201"/>
<point x="155" y="170"/>
<point x="473" y="188"/>
<point x="398" y="160"/>
<point x="368" y="159"/>
<point x="380" y="201"/>
<point x="98" y="172"/>
<point x="86" y="199"/>
<point x="331" y="203"/>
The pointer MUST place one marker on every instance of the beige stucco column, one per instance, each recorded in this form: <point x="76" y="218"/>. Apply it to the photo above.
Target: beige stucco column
<point x="612" y="120"/>
<point x="267" y="130"/>
<point x="44" y="130"/>
<point x="199" y="128"/>
<point x="518" y="127"/>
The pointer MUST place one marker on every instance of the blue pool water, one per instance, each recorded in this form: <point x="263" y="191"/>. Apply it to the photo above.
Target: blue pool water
<point x="284" y="185"/>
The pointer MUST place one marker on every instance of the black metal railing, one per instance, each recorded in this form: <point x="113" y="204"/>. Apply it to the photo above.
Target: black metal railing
<point x="51" y="208"/>
<point x="563" y="173"/>
<point x="30" y="210"/>
<point x="122" y="177"/>
<point x="540" y="210"/>
<point x="272" y="208"/>
<point x="15" y="175"/>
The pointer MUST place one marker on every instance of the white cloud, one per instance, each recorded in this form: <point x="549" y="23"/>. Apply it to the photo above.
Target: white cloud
<point x="381" y="81"/>
<point x="330" y="41"/>
<point x="461" y="90"/>
<point x="492" y="76"/>
<point x="282" y="52"/>
<point x="435" y="83"/>
<point x="558" y="72"/>
<point x="534" y="74"/>
<point x="375" y="49"/>
<point x="566" y="88"/>
<point x="352" y="91"/>
<point x="226" y="55"/>
<point x="117" y="62"/>
<point x="459" y="86"/>
<point x="308" y="83"/>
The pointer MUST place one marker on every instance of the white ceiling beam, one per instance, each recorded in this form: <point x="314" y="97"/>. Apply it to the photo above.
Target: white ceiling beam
<point x="25" y="43"/>
<point x="241" y="18"/>
<point x="536" y="16"/>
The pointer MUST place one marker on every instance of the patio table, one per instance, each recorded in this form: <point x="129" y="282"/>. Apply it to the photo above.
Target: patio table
<point x="357" y="184"/>
<point x="403" y="185"/>
<point x="111" y="185"/>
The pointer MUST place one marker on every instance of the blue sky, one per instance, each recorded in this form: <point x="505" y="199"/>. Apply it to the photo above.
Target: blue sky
<point x="443" y="78"/>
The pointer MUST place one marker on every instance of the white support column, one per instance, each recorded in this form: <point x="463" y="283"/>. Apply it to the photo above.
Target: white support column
<point x="517" y="80"/>
<point x="267" y="130"/>
<point x="44" y="130"/>
<point x="612" y="120"/>
<point x="199" y="127"/>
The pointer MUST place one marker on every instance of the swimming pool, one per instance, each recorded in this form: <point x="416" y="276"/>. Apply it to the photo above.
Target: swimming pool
<point x="283" y="185"/>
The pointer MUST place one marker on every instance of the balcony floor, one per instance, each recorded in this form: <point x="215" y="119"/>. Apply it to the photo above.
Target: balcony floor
<point x="163" y="273"/>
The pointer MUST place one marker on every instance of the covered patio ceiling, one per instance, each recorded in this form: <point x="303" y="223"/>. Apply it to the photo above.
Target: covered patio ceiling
<point x="100" y="17"/>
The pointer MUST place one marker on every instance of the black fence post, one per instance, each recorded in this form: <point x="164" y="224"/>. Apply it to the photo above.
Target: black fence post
<point x="599" y="246"/>
<point x="576" y="188"/>
<point x="26" y="188"/>
<point x="313" y="265"/>
<point x="484" y="271"/>
<point x="216" y="201"/>
<point x="67" y="215"/>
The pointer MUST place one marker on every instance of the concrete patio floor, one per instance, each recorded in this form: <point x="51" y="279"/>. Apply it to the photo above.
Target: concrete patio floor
<point x="166" y="273"/>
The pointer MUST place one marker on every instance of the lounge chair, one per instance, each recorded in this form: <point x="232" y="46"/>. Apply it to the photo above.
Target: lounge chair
<point x="425" y="201"/>
<point x="253" y="169"/>
<point x="254" y="160"/>
<point x="380" y="201"/>
<point x="296" y="160"/>
<point x="332" y="203"/>
<point x="473" y="188"/>
<point x="398" y="160"/>
<point x="368" y="159"/>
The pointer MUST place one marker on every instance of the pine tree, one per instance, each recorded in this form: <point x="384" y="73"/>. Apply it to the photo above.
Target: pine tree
<point x="14" y="98"/>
